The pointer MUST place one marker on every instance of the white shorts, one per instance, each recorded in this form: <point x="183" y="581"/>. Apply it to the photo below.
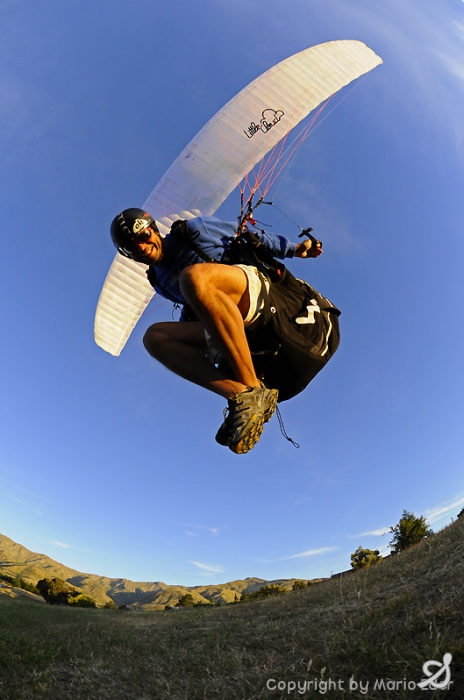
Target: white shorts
<point x="256" y="281"/>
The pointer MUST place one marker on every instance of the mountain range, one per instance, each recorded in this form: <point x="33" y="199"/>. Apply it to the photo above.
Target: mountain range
<point x="16" y="560"/>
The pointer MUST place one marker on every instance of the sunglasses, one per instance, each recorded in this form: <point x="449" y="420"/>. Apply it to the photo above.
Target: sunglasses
<point x="131" y="247"/>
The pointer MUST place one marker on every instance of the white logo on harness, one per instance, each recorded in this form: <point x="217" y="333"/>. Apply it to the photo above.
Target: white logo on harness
<point x="311" y="308"/>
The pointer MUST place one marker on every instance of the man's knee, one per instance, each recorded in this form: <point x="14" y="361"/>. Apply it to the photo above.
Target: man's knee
<point x="193" y="278"/>
<point x="159" y="339"/>
<point x="202" y="281"/>
<point x="154" y="338"/>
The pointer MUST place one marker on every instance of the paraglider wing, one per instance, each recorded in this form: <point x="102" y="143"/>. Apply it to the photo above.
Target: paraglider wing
<point x="221" y="155"/>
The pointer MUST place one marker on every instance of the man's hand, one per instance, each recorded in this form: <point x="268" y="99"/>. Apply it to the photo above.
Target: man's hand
<point x="308" y="249"/>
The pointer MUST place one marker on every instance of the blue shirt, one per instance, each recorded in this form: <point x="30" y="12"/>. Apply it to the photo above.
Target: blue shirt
<point x="213" y="237"/>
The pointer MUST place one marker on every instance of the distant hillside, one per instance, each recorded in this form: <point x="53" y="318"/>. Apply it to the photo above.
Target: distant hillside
<point x="376" y="631"/>
<point x="16" y="560"/>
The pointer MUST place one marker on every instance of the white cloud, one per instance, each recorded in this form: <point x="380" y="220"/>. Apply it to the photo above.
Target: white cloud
<point x="207" y="567"/>
<point x="23" y="503"/>
<point x="422" y="46"/>
<point x="20" y="488"/>
<point x="432" y="515"/>
<point x="204" y="528"/>
<point x="385" y="550"/>
<point x="437" y="513"/>
<point x="307" y="553"/>
<point x="372" y="533"/>
<point x="455" y="66"/>
<point x="61" y="544"/>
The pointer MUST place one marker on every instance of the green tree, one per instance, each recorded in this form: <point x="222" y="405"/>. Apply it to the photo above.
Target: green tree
<point x="364" y="557"/>
<point x="54" y="590"/>
<point x="57" y="592"/>
<point x="461" y="513"/>
<point x="186" y="601"/>
<point x="410" y="530"/>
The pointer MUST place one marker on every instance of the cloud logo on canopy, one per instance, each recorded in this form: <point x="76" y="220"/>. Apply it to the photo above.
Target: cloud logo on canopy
<point x="269" y="118"/>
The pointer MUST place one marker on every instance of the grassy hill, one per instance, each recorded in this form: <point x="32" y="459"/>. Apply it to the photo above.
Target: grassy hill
<point x="16" y="560"/>
<point x="376" y="627"/>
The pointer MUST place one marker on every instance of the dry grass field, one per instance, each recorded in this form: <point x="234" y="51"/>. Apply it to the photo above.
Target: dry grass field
<point x="376" y="627"/>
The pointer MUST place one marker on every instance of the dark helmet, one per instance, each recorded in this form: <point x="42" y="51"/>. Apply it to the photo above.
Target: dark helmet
<point x="130" y="225"/>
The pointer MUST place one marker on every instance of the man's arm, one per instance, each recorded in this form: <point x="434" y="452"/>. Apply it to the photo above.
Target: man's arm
<point x="308" y="249"/>
<point x="282" y="247"/>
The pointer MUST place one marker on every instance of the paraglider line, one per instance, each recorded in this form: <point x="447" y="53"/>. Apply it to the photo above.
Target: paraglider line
<point x="270" y="167"/>
<point x="284" y="214"/>
<point x="151" y="309"/>
<point x="304" y="133"/>
<point x="268" y="170"/>
<point x="296" y="143"/>
<point x="280" y="149"/>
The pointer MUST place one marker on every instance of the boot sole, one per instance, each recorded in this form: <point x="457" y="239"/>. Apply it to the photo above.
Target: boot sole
<point x="255" y="429"/>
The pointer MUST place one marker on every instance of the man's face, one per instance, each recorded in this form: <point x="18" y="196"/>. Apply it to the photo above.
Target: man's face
<point x="149" y="251"/>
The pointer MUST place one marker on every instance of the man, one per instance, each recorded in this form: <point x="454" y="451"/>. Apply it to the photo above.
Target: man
<point x="227" y="300"/>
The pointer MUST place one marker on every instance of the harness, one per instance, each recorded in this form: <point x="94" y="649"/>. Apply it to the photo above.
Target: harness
<point x="297" y="332"/>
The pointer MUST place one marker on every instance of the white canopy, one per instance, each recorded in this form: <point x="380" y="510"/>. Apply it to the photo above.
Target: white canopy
<point x="219" y="157"/>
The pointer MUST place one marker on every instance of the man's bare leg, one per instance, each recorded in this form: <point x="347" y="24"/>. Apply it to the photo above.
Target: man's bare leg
<point x="181" y="347"/>
<point x="219" y="296"/>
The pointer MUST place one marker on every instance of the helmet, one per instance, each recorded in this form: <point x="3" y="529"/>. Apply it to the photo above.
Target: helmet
<point x="128" y="226"/>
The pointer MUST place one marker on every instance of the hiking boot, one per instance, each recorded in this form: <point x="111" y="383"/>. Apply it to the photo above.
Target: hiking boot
<point x="224" y="433"/>
<point x="226" y="430"/>
<point x="248" y="411"/>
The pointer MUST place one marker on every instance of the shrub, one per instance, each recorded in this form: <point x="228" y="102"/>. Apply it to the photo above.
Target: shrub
<point x="82" y="601"/>
<point x="264" y="592"/>
<point x="364" y="557"/>
<point x="410" y="530"/>
<point x="26" y="586"/>
<point x="299" y="585"/>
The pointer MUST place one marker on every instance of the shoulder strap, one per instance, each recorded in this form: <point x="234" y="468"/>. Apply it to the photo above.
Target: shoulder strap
<point x="180" y="230"/>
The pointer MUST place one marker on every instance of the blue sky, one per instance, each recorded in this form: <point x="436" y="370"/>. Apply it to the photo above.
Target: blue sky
<point x="109" y="465"/>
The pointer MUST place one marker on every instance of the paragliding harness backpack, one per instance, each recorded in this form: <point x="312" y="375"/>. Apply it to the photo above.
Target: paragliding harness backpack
<point x="298" y="330"/>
